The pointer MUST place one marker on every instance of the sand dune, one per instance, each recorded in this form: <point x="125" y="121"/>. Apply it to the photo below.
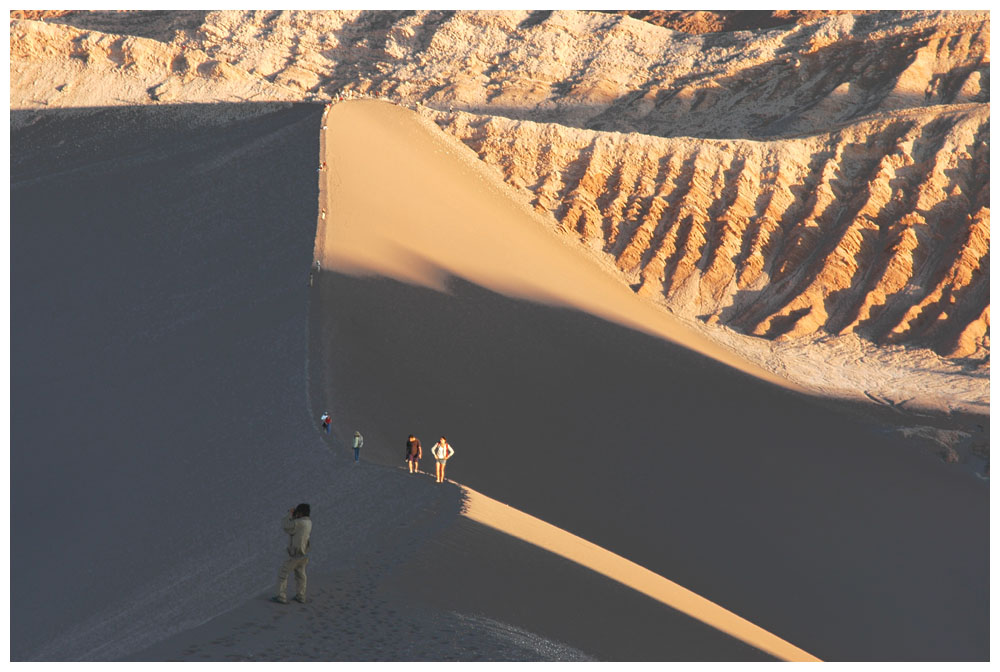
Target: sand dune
<point x="616" y="432"/>
<point x="160" y="422"/>
<point x="162" y="418"/>
<point x="833" y="200"/>
<point x="158" y="309"/>
<point x="550" y="258"/>
<point x="506" y="519"/>
<point x="446" y="216"/>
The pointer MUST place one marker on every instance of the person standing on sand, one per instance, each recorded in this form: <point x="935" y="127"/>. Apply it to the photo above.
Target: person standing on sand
<point x="325" y="419"/>
<point x="358" y="442"/>
<point x="413" y="453"/>
<point x="441" y="451"/>
<point x="298" y="526"/>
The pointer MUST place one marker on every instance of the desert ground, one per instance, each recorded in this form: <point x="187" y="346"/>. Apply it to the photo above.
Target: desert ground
<point x="716" y="372"/>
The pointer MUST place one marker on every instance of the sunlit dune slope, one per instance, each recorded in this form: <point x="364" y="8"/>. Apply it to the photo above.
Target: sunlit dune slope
<point x="445" y="215"/>
<point x="506" y="519"/>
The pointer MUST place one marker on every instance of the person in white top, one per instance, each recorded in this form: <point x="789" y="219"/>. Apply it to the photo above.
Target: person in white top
<point x="358" y="442"/>
<point x="442" y="451"/>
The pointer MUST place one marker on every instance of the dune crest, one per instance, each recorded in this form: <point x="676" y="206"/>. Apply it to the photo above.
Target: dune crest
<point x="406" y="201"/>
<point x="500" y="516"/>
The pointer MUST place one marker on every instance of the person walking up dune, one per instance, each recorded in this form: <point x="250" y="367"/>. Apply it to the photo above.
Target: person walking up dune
<point x="358" y="442"/>
<point x="325" y="419"/>
<point x="413" y="453"/>
<point x="298" y="526"/>
<point x="441" y="451"/>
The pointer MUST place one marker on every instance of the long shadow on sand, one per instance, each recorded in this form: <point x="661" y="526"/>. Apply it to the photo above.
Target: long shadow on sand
<point x="816" y="524"/>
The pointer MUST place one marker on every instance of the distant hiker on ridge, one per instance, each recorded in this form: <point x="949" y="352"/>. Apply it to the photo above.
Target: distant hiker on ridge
<point x="325" y="419"/>
<point x="441" y="451"/>
<point x="298" y="526"/>
<point x="413" y="453"/>
<point x="358" y="442"/>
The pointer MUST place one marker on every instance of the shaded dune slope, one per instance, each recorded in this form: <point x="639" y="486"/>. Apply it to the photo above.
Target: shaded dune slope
<point x="161" y="424"/>
<point x="158" y="351"/>
<point x="818" y="528"/>
<point x="791" y="514"/>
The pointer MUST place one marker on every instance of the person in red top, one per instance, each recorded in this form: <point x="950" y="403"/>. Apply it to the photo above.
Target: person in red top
<point x="413" y="453"/>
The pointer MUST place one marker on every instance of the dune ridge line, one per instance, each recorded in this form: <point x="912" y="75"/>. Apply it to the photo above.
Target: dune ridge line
<point x="448" y="215"/>
<point x="504" y="518"/>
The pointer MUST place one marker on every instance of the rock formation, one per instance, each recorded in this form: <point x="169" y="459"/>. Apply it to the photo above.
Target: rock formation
<point x="879" y="228"/>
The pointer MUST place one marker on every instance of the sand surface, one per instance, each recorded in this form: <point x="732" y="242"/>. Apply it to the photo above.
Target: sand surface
<point x="170" y="362"/>
<point x="163" y="424"/>
<point x="158" y="345"/>
<point x="752" y="495"/>
<point x="446" y="216"/>
<point x="812" y="178"/>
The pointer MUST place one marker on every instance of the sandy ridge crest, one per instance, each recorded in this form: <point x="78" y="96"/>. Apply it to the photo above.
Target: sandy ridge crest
<point x="499" y="516"/>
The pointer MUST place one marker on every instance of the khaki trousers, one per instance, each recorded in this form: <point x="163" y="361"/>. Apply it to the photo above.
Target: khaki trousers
<point x="295" y="564"/>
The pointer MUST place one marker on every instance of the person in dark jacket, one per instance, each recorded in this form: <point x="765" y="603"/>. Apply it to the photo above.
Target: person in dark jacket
<point x="413" y="453"/>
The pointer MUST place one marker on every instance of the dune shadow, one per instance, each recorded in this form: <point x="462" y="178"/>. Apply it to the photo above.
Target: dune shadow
<point x="158" y="303"/>
<point x="789" y="512"/>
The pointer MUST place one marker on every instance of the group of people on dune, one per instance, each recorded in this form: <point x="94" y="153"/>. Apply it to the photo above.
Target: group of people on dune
<point x="298" y="525"/>
<point x="442" y="452"/>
